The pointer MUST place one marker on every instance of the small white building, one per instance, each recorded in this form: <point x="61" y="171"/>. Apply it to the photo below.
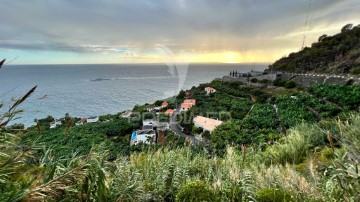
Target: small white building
<point x="206" y="124"/>
<point x="143" y="136"/>
<point x="55" y="123"/>
<point x="148" y="122"/>
<point x="210" y="90"/>
<point x="93" y="119"/>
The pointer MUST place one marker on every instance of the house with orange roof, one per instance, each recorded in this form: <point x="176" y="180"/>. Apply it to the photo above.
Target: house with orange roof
<point x="164" y="105"/>
<point x="190" y="102"/>
<point x="207" y="124"/>
<point x="169" y="112"/>
<point x="210" y="90"/>
<point x="185" y="107"/>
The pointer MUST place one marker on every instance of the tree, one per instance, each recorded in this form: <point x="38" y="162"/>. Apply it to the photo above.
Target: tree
<point x="181" y="95"/>
<point x="346" y="28"/>
<point x="322" y="37"/>
<point x="158" y="102"/>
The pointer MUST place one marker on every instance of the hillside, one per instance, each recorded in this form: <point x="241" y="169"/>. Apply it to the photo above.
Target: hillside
<point x="276" y="144"/>
<point x="338" y="54"/>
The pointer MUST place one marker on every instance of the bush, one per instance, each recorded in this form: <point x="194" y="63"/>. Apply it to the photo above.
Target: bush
<point x="254" y="80"/>
<point x="195" y="191"/>
<point x="273" y="195"/>
<point x="278" y="82"/>
<point x="355" y="70"/>
<point x="196" y="130"/>
<point x="290" y="84"/>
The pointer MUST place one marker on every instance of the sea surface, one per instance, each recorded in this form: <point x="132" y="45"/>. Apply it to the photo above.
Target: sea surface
<point x="92" y="90"/>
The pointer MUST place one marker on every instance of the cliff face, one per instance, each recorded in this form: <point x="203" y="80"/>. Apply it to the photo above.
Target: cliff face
<point x="338" y="54"/>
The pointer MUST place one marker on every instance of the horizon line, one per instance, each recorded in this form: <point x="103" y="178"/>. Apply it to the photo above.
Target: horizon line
<point x="148" y="63"/>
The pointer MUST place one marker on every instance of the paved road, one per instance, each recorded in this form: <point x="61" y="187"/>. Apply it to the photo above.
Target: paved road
<point x="175" y="126"/>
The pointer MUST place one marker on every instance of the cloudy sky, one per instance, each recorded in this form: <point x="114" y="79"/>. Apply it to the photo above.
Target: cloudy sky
<point x="126" y="31"/>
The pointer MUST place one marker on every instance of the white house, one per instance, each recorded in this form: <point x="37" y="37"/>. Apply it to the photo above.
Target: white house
<point x="210" y="90"/>
<point x="143" y="136"/>
<point x="206" y="124"/>
<point x="55" y="123"/>
<point x="93" y="119"/>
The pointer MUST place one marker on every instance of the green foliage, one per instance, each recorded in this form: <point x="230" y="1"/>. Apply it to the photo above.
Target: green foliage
<point x="290" y="84"/>
<point x="273" y="195"/>
<point x="237" y="133"/>
<point x="158" y="102"/>
<point x="195" y="191"/>
<point x="347" y="97"/>
<point x="278" y="82"/>
<point x="355" y="70"/>
<point x="81" y="139"/>
<point x="262" y="116"/>
<point x="196" y="130"/>
<point x="181" y="95"/>
<point x="292" y="112"/>
<point x="325" y="53"/>
<point x="184" y="174"/>
<point x="254" y="80"/>
<point x="46" y="121"/>
<point x="325" y="109"/>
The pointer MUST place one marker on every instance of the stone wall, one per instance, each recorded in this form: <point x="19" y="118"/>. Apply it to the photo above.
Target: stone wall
<point x="304" y="80"/>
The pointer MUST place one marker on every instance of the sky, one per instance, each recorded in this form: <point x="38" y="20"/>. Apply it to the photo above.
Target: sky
<point x="157" y="31"/>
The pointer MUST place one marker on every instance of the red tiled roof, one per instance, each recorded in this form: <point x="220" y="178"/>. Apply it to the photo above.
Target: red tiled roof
<point x="164" y="104"/>
<point x="209" y="88"/>
<point x="169" y="112"/>
<point x="185" y="106"/>
<point x="190" y="101"/>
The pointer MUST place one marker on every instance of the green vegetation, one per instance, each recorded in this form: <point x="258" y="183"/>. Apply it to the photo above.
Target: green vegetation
<point x="347" y="97"/>
<point x="274" y="145"/>
<point x="182" y="174"/>
<point x="273" y="195"/>
<point x="293" y="112"/>
<point x="338" y="54"/>
<point x="195" y="191"/>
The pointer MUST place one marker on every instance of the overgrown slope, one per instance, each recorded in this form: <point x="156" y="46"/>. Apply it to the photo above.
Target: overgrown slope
<point x="338" y="54"/>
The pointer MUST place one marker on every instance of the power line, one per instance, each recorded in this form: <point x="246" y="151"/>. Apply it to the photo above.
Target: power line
<point x="306" y="24"/>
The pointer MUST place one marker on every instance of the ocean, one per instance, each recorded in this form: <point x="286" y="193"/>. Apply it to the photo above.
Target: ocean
<point x="92" y="90"/>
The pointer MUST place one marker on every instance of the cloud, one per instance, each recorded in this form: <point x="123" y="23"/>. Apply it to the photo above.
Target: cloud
<point x="182" y="25"/>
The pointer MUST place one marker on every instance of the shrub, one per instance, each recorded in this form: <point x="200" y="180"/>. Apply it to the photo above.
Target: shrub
<point x="278" y="82"/>
<point x="195" y="191"/>
<point x="254" y="80"/>
<point x="290" y="84"/>
<point x="273" y="195"/>
<point x="355" y="70"/>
